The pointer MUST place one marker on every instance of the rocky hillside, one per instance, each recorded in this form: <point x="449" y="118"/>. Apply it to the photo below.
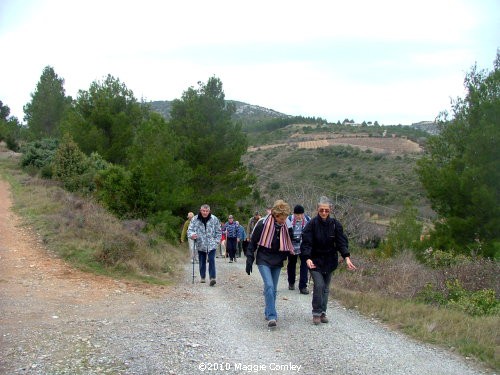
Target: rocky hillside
<point x="246" y="113"/>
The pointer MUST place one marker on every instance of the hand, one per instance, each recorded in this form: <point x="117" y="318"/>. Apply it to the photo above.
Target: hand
<point x="194" y="236"/>
<point x="310" y="264"/>
<point x="248" y="268"/>
<point x="349" y="264"/>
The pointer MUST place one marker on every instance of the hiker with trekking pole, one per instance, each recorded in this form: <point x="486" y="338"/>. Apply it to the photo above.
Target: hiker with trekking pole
<point x="206" y="231"/>
<point x="192" y="261"/>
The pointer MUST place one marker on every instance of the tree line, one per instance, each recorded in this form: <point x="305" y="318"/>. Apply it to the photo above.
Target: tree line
<point x="108" y="144"/>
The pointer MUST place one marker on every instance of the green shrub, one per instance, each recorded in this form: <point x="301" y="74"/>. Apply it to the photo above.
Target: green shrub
<point x="114" y="186"/>
<point x="46" y="171"/>
<point x="475" y="303"/>
<point x="12" y="143"/>
<point x="39" y="153"/>
<point x="404" y="232"/>
<point x="431" y="296"/>
<point x="440" y="259"/>
<point x="166" y="225"/>
<point x="70" y="165"/>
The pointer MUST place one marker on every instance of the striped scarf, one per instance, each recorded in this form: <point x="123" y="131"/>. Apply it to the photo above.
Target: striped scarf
<point x="266" y="237"/>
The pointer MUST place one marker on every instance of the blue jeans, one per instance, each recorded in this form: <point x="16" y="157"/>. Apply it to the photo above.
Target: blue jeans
<point x="203" y="263"/>
<point x="321" y="291"/>
<point x="270" y="277"/>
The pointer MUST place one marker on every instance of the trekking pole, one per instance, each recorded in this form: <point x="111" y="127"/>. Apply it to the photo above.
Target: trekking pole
<point x="194" y="252"/>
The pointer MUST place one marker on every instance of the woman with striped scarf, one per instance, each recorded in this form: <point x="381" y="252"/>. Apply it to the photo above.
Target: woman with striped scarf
<point x="271" y="239"/>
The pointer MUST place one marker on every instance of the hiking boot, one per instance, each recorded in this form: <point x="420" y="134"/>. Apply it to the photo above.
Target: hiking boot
<point x="212" y="282"/>
<point x="316" y="319"/>
<point x="202" y="281"/>
<point x="304" y="291"/>
<point x="323" y="318"/>
<point x="271" y="323"/>
<point x="291" y="286"/>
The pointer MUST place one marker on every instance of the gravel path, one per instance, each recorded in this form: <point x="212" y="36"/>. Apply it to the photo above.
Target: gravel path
<point x="57" y="320"/>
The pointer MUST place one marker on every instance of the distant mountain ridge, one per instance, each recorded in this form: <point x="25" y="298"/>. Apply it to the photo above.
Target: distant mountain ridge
<point x="251" y="114"/>
<point x="246" y="113"/>
<point x="427" y="126"/>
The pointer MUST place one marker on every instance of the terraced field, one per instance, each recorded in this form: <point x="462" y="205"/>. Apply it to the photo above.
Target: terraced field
<point x="384" y="145"/>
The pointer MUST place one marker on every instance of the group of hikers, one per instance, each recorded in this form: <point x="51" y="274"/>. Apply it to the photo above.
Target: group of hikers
<point x="270" y="240"/>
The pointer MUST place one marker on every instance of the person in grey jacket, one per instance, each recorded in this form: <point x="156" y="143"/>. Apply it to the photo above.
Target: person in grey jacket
<point x="205" y="230"/>
<point x="322" y="239"/>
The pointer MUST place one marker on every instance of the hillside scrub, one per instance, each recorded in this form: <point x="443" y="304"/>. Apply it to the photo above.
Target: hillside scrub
<point x="82" y="232"/>
<point x="455" y="306"/>
<point x="339" y="171"/>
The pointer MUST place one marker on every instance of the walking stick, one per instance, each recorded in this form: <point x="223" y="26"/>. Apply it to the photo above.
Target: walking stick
<point x="194" y="252"/>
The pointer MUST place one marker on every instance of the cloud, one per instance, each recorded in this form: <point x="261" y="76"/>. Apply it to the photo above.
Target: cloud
<point x="397" y="61"/>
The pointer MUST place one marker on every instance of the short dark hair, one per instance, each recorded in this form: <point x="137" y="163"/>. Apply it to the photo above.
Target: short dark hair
<point x="298" y="209"/>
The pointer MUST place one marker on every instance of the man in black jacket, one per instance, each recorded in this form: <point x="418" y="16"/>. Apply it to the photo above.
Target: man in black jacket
<point x="323" y="238"/>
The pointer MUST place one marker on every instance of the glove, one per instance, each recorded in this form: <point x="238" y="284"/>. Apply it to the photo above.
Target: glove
<point x="248" y="268"/>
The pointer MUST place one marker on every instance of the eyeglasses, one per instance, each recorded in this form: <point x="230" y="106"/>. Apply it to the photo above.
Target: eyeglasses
<point x="326" y="210"/>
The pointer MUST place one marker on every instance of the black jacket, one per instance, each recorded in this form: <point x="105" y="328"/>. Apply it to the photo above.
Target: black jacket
<point x="322" y="240"/>
<point x="271" y="257"/>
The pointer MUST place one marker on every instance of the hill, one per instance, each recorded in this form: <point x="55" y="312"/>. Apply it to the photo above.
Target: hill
<point x="374" y="169"/>
<point x="246" y="113"/>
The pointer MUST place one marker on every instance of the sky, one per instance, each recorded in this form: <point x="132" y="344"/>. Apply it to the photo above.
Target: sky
<point x="391" y="61"/>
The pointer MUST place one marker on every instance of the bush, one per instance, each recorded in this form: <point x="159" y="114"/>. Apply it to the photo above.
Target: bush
<point x="475" y="303"/>
<point x="70" y="165"/>
<point x="439" y="258"/>
<point x="404" y="232"/>
<point x="480" y="303"/>
<point x="12" y="143"/>
<point x="166" y="225"/>
<point x="115" y="250"/>
<point x="114" y="186"/>
<point x="431" y="296"/>
<point x="39" y="153"/>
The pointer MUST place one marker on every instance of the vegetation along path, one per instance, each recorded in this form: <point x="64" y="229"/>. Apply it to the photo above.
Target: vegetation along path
<point x="58" y="320"/>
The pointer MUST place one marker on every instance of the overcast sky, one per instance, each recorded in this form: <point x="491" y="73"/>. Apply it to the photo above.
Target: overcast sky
<point x="391" y="61"/>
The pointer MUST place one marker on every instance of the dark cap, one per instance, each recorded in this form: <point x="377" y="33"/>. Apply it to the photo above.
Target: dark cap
<point x="298" y="209"/>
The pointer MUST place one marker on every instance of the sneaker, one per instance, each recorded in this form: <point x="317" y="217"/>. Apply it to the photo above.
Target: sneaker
<point x="291" y="286"/>
<point x="212" y="282"/>
<point x="230" y="261"/>
<point x="316" y="319"/>
<point x="202" y="281"/>
<point x="304" y="291"/>
<point x="271" y="323"/>
<point x="323" y="318"/>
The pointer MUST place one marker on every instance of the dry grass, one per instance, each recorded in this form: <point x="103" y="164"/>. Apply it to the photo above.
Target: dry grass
<point x="475" y="337"/>
<point x="405" y="277"/>
<point x="85" y="234"/>
<point x="386" y="289"/>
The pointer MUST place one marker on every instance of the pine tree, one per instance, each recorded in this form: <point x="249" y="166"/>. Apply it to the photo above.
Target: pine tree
<point x="461" y="172"/>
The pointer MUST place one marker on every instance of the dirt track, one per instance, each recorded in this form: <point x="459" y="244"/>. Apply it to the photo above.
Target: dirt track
<point x="57" y="320"/>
